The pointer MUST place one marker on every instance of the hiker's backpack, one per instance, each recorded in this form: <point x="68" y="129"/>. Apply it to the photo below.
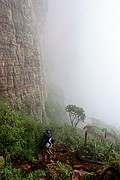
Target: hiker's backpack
<point x="47" y="135"/>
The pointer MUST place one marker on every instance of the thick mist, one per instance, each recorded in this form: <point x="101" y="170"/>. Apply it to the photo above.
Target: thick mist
<point x="82" y="54"/>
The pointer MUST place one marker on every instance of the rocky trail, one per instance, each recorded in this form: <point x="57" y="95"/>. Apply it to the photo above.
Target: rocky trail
<point x="84" y="168"/>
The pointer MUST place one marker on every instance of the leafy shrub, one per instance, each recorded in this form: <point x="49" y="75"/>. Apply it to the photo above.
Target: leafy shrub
<point x="60" y="172"/>
<point x="35" y="175"/>
<point x="19" y="134"/>
<point x="10" y="173"/>
<point x="105" y="152"/>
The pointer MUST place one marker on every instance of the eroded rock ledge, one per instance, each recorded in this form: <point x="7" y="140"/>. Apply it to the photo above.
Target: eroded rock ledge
<point x="22" y="75"/>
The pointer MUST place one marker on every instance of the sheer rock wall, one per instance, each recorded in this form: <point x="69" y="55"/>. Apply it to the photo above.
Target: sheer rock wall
<point x="22" y="76"/>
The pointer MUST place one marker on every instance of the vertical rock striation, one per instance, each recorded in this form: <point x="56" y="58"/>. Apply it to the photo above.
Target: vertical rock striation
<point x="22" y="76"/>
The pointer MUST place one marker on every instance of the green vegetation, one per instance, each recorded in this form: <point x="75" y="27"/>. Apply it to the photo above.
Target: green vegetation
<point x="20" y="136"/>
<point x="10" y="173"/>
<point x="60" y="171"/>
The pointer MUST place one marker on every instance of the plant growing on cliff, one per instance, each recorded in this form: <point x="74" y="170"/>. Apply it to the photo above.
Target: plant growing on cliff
<point x="76" y="114"/>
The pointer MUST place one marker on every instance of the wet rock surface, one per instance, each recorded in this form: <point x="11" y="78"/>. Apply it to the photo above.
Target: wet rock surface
<point x="81" y="169"/>
<point x="22" y="75"/>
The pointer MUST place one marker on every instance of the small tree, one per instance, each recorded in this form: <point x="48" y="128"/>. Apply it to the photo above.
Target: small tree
<point x="76" y="114"/>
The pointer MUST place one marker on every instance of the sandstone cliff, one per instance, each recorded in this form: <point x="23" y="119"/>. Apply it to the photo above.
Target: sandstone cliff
<point x="22" y="76"/>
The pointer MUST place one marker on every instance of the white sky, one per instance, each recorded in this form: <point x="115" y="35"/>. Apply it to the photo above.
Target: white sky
<point x="82" y="50"/>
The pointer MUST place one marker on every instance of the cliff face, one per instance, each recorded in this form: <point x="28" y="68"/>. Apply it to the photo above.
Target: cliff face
<point x="22" y="76"/>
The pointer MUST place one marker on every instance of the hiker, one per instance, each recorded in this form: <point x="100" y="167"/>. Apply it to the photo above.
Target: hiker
<point x="47" y="135"/>
<point x="47" y="145"/>
<point x="49" y="149"/>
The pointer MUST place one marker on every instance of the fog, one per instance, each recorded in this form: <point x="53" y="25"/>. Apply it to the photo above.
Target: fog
<point x="82" y="54"/>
